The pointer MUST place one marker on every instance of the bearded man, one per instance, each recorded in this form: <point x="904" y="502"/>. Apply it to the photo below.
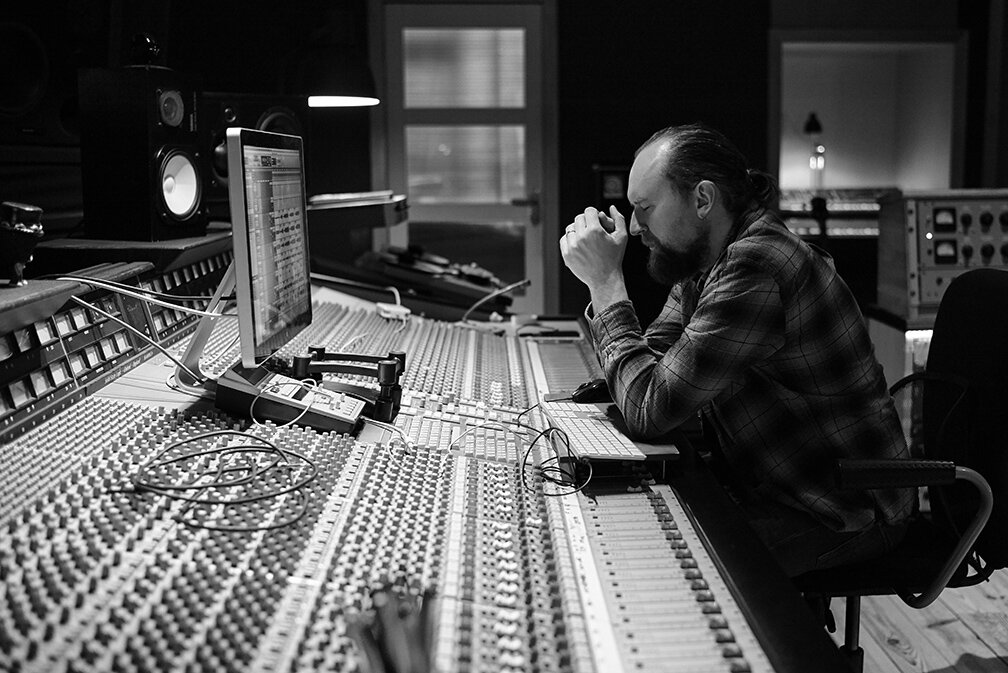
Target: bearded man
<point x="759" y="335"/>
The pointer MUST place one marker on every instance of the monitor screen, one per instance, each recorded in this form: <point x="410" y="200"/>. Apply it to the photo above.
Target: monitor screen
<point x="268" y="220"/>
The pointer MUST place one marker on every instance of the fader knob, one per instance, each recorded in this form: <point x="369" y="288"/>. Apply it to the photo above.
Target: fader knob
<point x="986" y="219"/>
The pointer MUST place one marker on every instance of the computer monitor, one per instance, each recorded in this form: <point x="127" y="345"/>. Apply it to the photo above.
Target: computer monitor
<point x="266" y="191"/>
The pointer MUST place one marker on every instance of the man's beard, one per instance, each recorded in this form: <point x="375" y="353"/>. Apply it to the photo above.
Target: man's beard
<point x="669" y="267"/>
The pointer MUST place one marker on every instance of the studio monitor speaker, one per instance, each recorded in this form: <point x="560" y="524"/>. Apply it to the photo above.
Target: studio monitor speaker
<point x="38" y="98"/>
<point x="221" y="110"/>
<point x="140" y="157"/>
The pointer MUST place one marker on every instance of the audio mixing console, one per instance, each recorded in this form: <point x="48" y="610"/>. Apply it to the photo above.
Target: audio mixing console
<point x="100" y="575"/>
<point x="146" y="538"/>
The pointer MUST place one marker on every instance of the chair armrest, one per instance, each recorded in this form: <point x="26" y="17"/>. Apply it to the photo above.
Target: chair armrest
<point x="925" y="375"/>
<point x="869" y="474"/>
<point x="966" y="541"/>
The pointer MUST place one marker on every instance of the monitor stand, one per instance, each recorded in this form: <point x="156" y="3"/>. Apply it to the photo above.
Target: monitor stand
<point x="259" y="393"/>
<point x="198" y="341"/>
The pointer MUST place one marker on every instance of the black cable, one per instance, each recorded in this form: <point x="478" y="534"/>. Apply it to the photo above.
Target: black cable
<point x="518" y="417"/>
<point x="251" y="474"/>
<point x="165" y="488"/>
<point x="544" y="474"/>
<point x="247" y="529"/>
<point x="524" y="426"/>
<point x="546" y="471"/>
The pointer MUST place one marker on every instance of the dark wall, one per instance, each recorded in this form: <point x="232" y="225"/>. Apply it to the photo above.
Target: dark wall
<point x="974" y="16"/>
<point x="628" y="72"/>
<point x="252" y="46"/>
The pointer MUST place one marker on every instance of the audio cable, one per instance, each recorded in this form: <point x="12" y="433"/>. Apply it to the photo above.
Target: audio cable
<point x="493" y="426"/>
<point x="525" y="282"/>
<point x="142" y="290"/>
<point x="312" y="384"/>
<point x="407" y="442"/>
<point x="144" y="295"/>
<point x="141" y="335"/>
<point x="546" y="472"/>
<point x="220" y="469"/>
<point x="333" y="280"/>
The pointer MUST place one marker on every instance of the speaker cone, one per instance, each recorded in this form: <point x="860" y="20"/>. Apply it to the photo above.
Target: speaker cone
<point x="180" y="185"/>
<point x="279" y="119"/>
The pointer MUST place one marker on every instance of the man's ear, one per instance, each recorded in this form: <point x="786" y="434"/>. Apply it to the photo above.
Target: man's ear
<point x="706" y="195"/>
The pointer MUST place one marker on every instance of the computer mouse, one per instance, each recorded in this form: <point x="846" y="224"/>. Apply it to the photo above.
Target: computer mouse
<point x="596" y="390"/>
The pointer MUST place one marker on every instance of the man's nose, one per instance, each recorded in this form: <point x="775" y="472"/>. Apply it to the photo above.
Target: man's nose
<point x="635" y="228"/>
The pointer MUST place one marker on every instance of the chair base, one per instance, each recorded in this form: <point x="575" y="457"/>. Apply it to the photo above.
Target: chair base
<point x="854" y="657"/>
<point x="851" y="648"/>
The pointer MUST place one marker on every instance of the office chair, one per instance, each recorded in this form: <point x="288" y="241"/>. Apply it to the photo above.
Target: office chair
<point x="961" y="459"/>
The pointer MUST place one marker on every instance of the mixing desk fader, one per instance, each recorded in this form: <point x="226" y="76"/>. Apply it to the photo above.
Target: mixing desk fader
<point x="669" y="607"/>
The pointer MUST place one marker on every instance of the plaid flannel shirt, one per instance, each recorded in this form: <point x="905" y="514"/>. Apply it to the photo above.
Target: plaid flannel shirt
<point x="771" y="347"/>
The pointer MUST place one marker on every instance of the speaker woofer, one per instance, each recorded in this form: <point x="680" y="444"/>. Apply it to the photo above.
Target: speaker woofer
<point x="221" y="110"/>
<point x="180" y="184"/>
<point x="279" y="119"/>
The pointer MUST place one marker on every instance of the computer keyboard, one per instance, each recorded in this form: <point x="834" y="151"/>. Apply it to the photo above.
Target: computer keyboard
<point x="591" y="433"/>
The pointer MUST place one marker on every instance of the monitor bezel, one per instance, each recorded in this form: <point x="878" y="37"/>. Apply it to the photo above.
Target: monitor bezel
<point x="253" y="353"/>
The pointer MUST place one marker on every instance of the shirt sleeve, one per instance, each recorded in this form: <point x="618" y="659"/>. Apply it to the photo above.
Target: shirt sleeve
<point x="666" y="329"/>
<point x="738" y="322"/>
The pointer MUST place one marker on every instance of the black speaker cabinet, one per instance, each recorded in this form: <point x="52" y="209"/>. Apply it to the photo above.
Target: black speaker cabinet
<point x="140" y="158"/>
<point x="40" y="50"/>
<point x="221" y="110"/>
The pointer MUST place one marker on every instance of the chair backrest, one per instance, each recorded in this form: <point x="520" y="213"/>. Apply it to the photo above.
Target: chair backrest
<point x="970" y="342"/>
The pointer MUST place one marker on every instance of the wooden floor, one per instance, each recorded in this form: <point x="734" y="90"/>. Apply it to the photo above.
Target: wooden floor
<point x="964" y="630"/>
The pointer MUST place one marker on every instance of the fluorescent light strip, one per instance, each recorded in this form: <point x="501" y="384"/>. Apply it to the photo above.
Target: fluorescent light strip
<point x="341" y="101"/>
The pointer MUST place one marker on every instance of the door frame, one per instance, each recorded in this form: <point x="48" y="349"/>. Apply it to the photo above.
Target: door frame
<point x="544" y="295"/>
